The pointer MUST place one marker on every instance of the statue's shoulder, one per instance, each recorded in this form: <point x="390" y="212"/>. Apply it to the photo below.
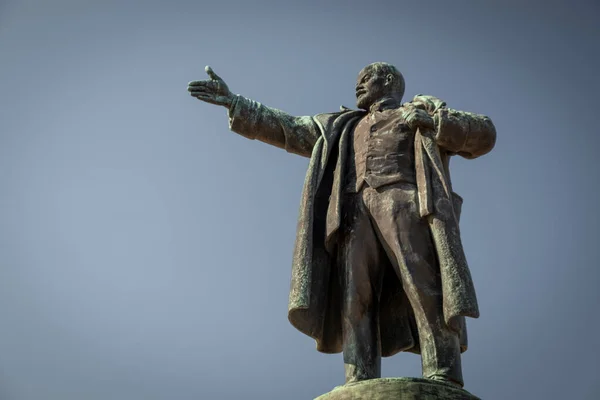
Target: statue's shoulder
<point x="428" y="103"/>
<point x="326" y="119"/>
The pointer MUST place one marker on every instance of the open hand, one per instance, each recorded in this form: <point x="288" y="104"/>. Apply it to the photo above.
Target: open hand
<point x="214" y="90"/>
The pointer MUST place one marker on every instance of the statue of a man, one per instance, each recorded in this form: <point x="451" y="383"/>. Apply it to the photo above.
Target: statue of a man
<point x="378" y="265"/>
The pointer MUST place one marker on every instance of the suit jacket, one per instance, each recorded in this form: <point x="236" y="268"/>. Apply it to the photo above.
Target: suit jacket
<point x="314" y="302"/>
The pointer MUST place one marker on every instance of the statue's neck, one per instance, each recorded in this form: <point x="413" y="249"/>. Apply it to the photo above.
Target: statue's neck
<point x="385" y="103"/>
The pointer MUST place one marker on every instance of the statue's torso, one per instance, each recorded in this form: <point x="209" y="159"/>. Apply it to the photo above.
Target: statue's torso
<point x="381" y="151"/>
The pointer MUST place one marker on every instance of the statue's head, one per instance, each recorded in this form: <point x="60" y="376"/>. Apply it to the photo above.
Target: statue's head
<point x="376" y="81"/>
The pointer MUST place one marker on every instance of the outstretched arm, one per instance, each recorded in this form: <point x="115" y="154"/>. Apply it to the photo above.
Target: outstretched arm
<point x="253" y="120"/>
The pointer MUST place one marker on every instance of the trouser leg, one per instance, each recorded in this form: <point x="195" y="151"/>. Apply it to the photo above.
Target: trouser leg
<point x="360" y="275"/>
<point x="407" y="240"/>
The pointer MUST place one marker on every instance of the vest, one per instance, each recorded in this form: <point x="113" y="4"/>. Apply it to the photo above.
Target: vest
<point x="382" y="151"/>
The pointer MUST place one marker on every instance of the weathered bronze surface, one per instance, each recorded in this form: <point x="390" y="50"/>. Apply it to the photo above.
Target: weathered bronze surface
<point x="378" y="266"/>
<point x="398" y="389"/>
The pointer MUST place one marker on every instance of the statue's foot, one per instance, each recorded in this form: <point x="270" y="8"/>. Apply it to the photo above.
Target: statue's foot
<point x="355" y="374"/>
<point x="446" y="379"/>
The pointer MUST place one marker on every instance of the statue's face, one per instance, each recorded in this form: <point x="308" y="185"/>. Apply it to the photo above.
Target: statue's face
<point x="370" y="87"/>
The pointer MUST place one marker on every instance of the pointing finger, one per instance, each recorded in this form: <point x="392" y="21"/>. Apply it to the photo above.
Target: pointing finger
<point x="199" y="83"/>
<point x="208" y="99"/>
<point x="196" y="94"/>
<point x="200" y="88"/>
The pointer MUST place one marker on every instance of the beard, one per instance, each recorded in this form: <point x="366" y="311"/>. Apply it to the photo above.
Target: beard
<point x="364" y="101"/>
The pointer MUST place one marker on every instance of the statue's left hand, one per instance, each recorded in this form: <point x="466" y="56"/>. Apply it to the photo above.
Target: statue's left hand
<point x="418" y="118"/>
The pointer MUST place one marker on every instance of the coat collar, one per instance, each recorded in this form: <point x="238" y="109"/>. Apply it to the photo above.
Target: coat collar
<point x="386" y="103"/>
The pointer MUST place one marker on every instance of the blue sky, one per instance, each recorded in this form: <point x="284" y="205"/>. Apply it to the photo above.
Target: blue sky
<point x="145" y="250"/>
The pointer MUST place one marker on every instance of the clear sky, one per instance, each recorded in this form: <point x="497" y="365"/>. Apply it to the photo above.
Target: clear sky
<point x="145" y="250"/>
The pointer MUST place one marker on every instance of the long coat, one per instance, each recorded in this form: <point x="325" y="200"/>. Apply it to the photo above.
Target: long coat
<point x="314" y="302"/>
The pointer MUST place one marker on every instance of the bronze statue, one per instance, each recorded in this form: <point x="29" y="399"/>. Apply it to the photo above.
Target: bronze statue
<point x="378" y="266"/>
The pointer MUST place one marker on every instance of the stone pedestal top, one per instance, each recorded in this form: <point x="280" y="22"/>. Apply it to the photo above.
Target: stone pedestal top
<point x="398" y="389"/>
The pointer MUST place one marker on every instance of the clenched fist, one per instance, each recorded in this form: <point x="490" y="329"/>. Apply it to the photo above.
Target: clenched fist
<point x="214" y="90"/>
<point x="418" y="118"/>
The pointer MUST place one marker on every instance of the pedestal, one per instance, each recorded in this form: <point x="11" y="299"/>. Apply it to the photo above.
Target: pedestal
<point x="398" y="389"/>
